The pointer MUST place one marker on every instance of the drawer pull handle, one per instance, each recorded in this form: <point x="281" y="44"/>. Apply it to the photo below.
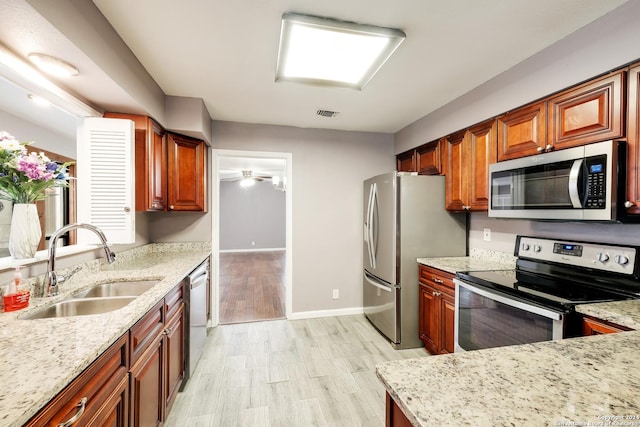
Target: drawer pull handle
<point x="76" y="417"/>
<point x="437" y="280"/>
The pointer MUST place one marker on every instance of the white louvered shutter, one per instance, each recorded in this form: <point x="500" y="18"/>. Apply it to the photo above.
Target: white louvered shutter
<point x="106" y="178"/>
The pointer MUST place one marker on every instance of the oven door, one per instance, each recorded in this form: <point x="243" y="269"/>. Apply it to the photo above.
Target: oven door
<point x="485" y="318"/>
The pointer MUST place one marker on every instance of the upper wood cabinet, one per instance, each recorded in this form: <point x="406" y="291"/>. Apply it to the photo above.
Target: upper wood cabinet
<point x="426" y="159"/>
<point x="406" y="162"/>
<point x="522" y="132"/>
<point x="633" y="141"/>
<point x="170" y="168"/>
<point x="468" y="155"/>
<point x="187" y="175"/>
<point x="588" y="113"/>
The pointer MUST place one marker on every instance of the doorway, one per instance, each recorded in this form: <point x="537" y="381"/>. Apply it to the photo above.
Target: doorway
<point x="252" y="236"/>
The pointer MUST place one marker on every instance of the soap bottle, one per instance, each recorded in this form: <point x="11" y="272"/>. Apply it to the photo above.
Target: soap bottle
<point x="17" y="279"/>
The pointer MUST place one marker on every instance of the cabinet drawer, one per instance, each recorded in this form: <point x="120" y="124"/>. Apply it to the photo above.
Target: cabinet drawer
<point x="437" y="278"/>
<point x="144" y="332"/>
<point x="591" y="326"/>
<point x="95" y="386"/>
<point x="173" y="300"/>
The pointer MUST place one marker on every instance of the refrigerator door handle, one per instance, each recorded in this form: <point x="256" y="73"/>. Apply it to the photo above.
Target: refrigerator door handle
<point x="373" y="199"/>
<point x="370" y="281"/>
<point x="369" y="226"/>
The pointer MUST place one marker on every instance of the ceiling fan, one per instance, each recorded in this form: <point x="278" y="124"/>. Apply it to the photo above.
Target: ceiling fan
<point x="247" y="178"/>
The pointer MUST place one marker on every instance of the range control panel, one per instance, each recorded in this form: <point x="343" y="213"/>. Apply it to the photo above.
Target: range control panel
<point x="618" y="259"/>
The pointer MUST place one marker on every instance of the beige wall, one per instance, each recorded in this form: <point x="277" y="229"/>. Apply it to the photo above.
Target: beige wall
<point x="328" y="170"/>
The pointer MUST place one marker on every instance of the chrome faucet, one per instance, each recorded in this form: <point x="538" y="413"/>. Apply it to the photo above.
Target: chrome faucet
<point x="51" y="279"/>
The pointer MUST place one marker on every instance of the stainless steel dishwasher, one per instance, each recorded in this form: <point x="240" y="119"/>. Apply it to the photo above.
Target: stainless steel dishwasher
<point x="197" y="314"/>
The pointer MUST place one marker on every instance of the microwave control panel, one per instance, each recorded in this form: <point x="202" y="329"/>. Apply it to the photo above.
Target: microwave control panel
<point x="616" y="259"/>
<point x="596" y="185"/>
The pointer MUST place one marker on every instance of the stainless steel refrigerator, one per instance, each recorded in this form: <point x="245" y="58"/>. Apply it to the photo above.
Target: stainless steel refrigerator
<point x="404" y="219"/>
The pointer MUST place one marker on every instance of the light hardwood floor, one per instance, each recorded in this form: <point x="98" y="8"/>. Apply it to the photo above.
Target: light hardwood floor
<point x="251" y="286"/>
<point x="314" y="372"/>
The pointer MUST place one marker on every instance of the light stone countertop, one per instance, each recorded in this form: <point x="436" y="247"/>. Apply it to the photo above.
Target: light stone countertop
<point x="567" y="382"/>
<point x="41" y="356"/>
<point x="478" y="259"/>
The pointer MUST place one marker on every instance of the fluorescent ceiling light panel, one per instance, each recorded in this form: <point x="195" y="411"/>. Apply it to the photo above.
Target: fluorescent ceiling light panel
<point x="329" y="52"/>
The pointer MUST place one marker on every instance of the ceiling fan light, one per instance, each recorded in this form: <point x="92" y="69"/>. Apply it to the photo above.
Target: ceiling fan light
<point x="247" y="182"/>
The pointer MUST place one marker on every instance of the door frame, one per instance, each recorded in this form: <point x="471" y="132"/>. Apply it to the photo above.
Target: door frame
<point x="218" y="154"/>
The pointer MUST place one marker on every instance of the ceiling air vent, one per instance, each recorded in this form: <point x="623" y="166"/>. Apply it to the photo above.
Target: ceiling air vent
<point x="327" y="113"/>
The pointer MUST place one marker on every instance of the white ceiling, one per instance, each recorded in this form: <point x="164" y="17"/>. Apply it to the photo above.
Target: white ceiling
<point x="225" y="52"/>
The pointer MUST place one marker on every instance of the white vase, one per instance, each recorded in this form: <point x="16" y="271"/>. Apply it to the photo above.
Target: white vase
<point x="25" y="233"/>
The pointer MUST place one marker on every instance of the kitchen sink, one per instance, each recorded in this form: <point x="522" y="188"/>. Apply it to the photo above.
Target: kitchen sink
<point x="80" y="307"/>
<point x="117" y="289"/>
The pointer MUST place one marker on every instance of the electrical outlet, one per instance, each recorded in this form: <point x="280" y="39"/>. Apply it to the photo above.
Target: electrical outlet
<point x="336" y="293"/>
<point x="486" y="234"/>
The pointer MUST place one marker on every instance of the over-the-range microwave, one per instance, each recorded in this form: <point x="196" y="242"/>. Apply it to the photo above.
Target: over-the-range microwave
<point x="585" y="183"/>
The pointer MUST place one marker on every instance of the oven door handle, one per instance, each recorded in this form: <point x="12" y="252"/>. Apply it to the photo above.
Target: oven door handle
<point x="508" y="300"/>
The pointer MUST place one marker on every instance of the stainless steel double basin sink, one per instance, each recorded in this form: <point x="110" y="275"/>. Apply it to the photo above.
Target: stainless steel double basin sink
<point x="99" y="299"/>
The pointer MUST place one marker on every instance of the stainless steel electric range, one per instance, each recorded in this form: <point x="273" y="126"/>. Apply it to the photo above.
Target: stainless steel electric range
<point x="536" y="301"/>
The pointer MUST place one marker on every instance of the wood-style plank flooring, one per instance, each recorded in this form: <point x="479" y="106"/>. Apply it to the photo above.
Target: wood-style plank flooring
<point x="281" y="373"/>
<point x="251" y="286"/>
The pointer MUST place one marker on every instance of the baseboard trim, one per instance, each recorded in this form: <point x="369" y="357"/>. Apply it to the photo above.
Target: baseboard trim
<point x="224" y="251"/>
<point x="325" y="313"/>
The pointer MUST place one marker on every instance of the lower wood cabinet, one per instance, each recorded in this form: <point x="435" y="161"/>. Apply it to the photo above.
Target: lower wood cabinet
<point x="158" y="370"/>
<point x="436" y="310"/>
<point x="394" y="415"/>
<point x="99" y="396"/>
<point x="592" y="326"/>
<point x="135" y="381"/>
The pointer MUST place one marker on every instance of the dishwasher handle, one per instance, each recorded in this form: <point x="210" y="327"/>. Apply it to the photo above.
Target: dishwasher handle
<point x="198" y="281"/>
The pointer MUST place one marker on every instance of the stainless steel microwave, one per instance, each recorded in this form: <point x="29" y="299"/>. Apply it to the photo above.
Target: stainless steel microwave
<point x="579" y="183"/>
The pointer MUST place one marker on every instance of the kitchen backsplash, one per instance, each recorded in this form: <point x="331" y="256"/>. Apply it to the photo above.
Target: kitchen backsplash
<point x="504" y="232"/>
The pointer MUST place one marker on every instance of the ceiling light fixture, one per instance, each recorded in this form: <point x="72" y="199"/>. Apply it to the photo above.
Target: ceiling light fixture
<point x="52" y="65"/>
<point x="328" y="52"/>
<point x="247" y="180"/>
<point x="38" y="100"/>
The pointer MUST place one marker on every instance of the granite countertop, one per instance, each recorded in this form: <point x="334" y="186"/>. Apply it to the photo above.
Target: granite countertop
<point x="478" y="259"/>
<point x="573" y="381"/>
<point x="41" y="356"/>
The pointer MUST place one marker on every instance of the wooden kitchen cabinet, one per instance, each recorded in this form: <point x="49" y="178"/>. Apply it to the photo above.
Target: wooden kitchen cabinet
<point x="426" y="159"/>
<point x="436" y="310"/>
<point x="99" y="396"/>
<point x="187" y="175"/>
<point x="522" y="132"/>
<point x="468" y="156"/>
<point x="394" y="415"/>
<point x="592" y="326"/>
<point x="158" y="359"/>
<point x="406" y="162"/>
<point x="151" y="162"/>
<point x="633" y="141"/>
<point x="591" y="112"/>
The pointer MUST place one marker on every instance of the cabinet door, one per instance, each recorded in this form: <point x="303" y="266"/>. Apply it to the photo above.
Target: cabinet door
<point x="429" y="314"/>
<point x="456" y="190"/>
<point x="187" y="175"/>
<point x="482" y="141"/>
<point x="633" y="141"/>
<point x="448" y="310"/>
<point x="405" y="162"/>
<point x="588" y="113"/>
<point x="522" y="132"/>
<point x="115" y="411"/>
<point x="428" y="159"/>
<point x="156" y="168"/>
<point x="147" y="400"/>
<point x="175" y="363"/>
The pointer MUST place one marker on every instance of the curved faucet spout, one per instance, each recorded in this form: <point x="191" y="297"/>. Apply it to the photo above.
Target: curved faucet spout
<point x="51" y="280"/>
